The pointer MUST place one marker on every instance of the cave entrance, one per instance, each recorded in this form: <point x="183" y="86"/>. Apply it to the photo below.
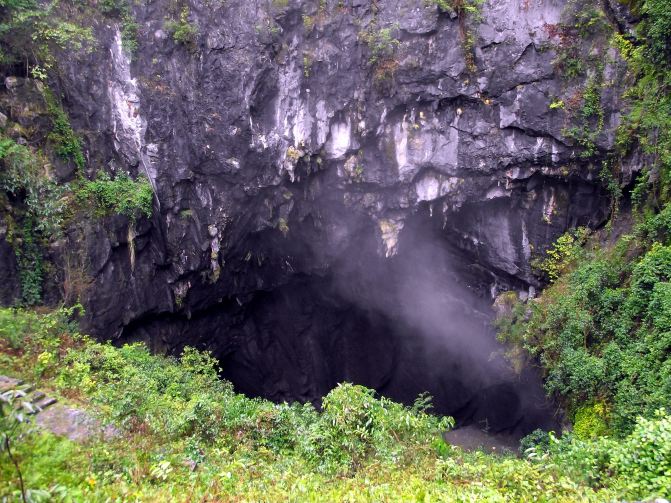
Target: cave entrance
<point x="413" y="323"/>
<point x="416" y="322"/>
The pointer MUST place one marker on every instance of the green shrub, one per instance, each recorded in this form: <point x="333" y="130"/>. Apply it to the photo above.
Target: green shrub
<point x="31" y="265"/>
<point x="182" y="31"/>
<point x="121" y="195"/>
<point x="381" y="42"/>
<point x="591" y="421"/>
<point x="31" y="32"/>
<point x="563" y="252"/>
<point x="538" y="441"/>
<point x="24" y="174"/>
<point x="587" y="461"/>
<point x="643" y="460"/>
<point x="355" y="425"/>
<point x="655" y="27"/>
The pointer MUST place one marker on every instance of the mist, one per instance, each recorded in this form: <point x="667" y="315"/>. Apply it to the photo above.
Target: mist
<point x="439" y="308"/>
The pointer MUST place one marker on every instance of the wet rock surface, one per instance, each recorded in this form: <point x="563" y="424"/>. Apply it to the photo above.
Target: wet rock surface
<point x="299" y="184"/>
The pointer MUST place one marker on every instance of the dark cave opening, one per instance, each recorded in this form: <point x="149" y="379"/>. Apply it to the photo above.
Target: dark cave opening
<point x="415" y="322"/>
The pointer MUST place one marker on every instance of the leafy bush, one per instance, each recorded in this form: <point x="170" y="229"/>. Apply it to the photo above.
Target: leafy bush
<point x="355" y="425"/>
<point x="656" y="29"/>
<point x="137" y="390"/>
<point x="538" y="440"/>
<point x="563" y="252"/>
<point x="121" y="195"/>
<point x="591" y="421"/>
<point x="182" y="31"/>
<point x="31" y="266"/>
<point x="586" y="461"/>
<point x="23" y="173"/>
<point x="643" y="460"/>
<point x="381" y="43"/>
<point x="32" y="31"/>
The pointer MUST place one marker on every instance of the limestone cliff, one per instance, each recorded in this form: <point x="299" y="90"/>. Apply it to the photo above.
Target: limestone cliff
<point x="322" y="169"/>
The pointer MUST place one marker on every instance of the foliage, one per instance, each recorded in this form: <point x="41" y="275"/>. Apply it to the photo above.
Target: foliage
<point x="459" y="7"/>
<point x="381" y="42"/>
<point x="31" y="32"/>
<point x="648" y="125"/>
<point x="590" y="421"/>
<point x="68" y="145"/>
<point x="31" y="266"/>
<point x="465" y="11"/>
<point x="586" y="461"/>
<point x="583" y="28"/>
<point x="12" y="415"/>
<point x="590" y="118"/>
<point x="536" y="441"/>
<point x="182" y="31"/>
<point x="355" y="424"/>
<point x="601" y="330"/>
<point x="643" y="460"/>
<point x="121" y="195"/>
<point x="185" y="434"/>
<point x="637" y="467"/>
<point x="24" y="174"/>
<point x="655" y="28"/>
<point x="563" y="252"/>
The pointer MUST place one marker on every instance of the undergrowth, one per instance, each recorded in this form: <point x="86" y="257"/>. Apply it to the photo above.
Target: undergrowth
<point x="181" y="434"/>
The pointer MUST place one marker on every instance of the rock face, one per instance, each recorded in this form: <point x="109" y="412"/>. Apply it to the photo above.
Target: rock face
<point x="341" y="187"/>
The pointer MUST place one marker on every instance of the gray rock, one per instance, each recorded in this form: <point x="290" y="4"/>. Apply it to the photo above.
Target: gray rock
<point x="12" y="83"/>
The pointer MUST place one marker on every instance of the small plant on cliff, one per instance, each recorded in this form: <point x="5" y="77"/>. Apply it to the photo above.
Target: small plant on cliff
<point x="182" y="31"/>
<point x="565" y="250"/>
<point x="32" y="31"/>
<point x="67" y="143"/>
<point x="381" y="42"/>
<point x="121" y="195"/>
<point x="31" y="264"/>
<point x="589" y="117"/>
<point x="467" y="11"/>
<point x="23" y="173"/>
